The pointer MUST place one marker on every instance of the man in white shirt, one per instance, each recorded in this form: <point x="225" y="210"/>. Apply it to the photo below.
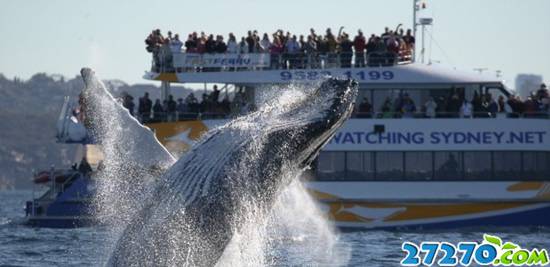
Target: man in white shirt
<point x="430" y="106"/>
<point x="292" y="48"/>
<point x="466" y="110"/>
<point x="176" y="44"/>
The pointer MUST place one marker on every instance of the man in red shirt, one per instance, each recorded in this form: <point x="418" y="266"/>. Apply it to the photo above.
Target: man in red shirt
<point x="359" y="44"/>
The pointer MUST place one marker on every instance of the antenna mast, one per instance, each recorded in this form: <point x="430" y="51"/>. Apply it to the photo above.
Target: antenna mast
<point x="414" y="24"/>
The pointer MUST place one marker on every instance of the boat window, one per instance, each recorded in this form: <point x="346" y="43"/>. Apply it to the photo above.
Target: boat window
<point x="369" y="165"/>
<point x="418" y="165"/>
<point x="331" y="166"/>
<point x="536" y="166"/>
<point x="436" y="165"/>
<point x="354" y="166"/>
<point x="507" y="165"/>
<point x="389" y="165"/>
<point x="448" y="165"/>
<point x="477" y="165"/>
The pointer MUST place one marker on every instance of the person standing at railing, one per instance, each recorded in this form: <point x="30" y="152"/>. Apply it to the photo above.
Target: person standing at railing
<point x="210" y="46"/>
<point x="192" y="103"/>
<point x="292" y="49"/>
<point x="265" y="44"/>
<point x="359" y="45"/>
<point x="157" y="111"/>
<point x="409" y="44"/>
<point x="276" y="51"/>
<point x="516" y="106"/>
<point x="191" y="44"/>
<point x="370" y="48"/>
<point x="364" y="109"/>
<point x="408" y="108"/>
<point x="220" y="46"/>
<point x="170" y="108"/>
<point x="169" y="36"/>
<point x="201" y="44"/>
<point x="166" y="56"/>
<point x="154" y="43"/>
<point x="466" y="110"/>
<point x="386" y="33"/>
<point x="387" y="108"/>
<point x="346" y="51"/>
<point x="215" y="95"/>
<point x="531" y="107"/>
<point x="310" y="49"/>
<point x="250" y="40"/>
<point x="322" y="51"/>
<point x="243" y="46"/>
<point x="128" y="102"/>
<point x="232" y="46"/>
<point x="176" y="44"/>
<point x="144" y="107"/>
<point x="493" y="106"/>
<point x="332" y="47"/>
<point x="257" y="47"/>
<point x="431" y="107"/>
<point x="392" y="45"/>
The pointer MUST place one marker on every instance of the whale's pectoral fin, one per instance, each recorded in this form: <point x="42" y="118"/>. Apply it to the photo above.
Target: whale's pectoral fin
<point x="112" y="125"/>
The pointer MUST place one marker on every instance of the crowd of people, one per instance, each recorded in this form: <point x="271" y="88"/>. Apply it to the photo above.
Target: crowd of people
<point x="455" y="105"/>
<point x="289" y="50"/>
<point x="210" y="106"/>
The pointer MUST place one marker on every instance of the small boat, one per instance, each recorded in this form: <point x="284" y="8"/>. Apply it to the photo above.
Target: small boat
<point x="66" y="202"/>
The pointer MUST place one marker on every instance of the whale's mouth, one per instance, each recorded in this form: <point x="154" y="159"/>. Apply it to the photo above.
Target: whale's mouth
<point x="334" y="101"/>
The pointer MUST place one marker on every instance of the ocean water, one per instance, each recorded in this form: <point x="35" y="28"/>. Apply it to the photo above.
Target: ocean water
<point x="25" y="246"/>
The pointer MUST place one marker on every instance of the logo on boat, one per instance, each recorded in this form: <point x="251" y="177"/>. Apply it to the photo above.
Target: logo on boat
<point x="491" y="251"/>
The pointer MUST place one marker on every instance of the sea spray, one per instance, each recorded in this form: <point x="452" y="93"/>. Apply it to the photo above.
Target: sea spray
<point x="295" y="229"/>
<point x="132" y="159"/>
<point x="263" y="237"/>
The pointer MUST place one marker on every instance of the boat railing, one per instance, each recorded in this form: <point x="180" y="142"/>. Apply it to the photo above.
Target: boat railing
<point x="450" y="115"/>
<point x="170" y="62"/>
<point x="187" y="116"/>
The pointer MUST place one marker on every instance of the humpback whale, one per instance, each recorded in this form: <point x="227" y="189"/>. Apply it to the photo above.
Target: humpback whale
<point x="133" y="158"/>
<point x="200" y="201"/>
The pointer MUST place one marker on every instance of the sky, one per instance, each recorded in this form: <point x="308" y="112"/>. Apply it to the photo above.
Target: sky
<point x="61" y="36"/>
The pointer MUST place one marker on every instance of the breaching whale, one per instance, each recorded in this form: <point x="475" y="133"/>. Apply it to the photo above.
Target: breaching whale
<point x="133" y="158"/>
<point x="200" y="200"/>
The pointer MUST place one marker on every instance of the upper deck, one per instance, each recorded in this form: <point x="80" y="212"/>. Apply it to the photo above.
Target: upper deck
<point x="259" y="68"/>
<point x="375" y="60"/>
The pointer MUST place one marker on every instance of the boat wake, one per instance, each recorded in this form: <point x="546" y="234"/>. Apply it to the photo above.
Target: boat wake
<point x="246" y="208"/>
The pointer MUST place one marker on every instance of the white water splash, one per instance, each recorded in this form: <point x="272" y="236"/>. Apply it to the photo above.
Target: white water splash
<point x="294" y="232"/>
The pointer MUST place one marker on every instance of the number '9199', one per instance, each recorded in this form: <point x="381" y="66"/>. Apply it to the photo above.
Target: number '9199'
<point x="358" y="75"/>
<point x="426" y="254"/>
